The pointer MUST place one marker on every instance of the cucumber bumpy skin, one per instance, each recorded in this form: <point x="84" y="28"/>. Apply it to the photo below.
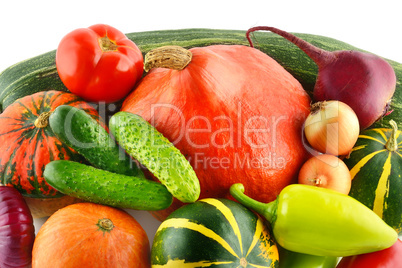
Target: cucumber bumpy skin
<point x="107" y="188"/>
<point x="80" y="131"/>
<point x="143" y="142"/>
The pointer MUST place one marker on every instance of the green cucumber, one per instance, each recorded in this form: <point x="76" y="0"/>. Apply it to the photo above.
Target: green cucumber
<point x="103" y="187"/>
<point x="78" y="130"/>
<point x="40" y="74"/>
<point x="143" y="142"/>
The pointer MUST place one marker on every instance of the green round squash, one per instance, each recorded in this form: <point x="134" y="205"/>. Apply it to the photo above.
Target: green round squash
<point x="375" y="165"/>
<point x="214" y="233"/>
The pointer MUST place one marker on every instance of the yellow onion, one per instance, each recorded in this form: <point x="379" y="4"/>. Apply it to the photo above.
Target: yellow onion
<point x="332" y="127"/>
<point x="326" y="171"/>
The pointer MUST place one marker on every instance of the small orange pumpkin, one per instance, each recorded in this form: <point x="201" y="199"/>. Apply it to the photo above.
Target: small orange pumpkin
<point x="27" y="143"/>
<point x="91" y="235"/>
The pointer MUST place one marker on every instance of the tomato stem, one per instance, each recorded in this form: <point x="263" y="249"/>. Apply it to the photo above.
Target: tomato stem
<point x="107" y="45"/>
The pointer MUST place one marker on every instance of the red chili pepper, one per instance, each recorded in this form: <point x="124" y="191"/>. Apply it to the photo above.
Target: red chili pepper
<point x="386" y="258"/>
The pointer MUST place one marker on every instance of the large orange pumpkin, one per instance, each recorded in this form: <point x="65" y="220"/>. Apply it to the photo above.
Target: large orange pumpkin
<point x="233" y="111"/>
<point x="91" y="235"/>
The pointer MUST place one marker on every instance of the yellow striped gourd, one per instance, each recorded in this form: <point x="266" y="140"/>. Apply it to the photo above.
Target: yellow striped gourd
<point x="375" y="164"/>
<point x="214" y="233"/>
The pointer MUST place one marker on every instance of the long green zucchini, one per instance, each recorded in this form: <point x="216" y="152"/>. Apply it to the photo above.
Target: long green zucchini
<point x="39" y="73"/>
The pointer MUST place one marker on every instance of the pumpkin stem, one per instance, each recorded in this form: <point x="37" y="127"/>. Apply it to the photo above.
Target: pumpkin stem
<point x="43" y="120"/>
<point x="105" y="225"/>
<point x="392" y="144"/>
<point x="172" y="57"/>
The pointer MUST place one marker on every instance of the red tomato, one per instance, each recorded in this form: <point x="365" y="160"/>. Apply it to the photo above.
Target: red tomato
<point x="99" y="63"/>
<point x="387" y="258"/>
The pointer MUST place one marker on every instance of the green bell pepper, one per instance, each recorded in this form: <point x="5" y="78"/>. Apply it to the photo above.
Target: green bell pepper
<point x="318" y="221"/>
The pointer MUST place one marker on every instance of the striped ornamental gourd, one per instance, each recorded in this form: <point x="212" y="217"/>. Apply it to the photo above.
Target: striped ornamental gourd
<point x="375" y="164"/>
<point x="214" y="233"/>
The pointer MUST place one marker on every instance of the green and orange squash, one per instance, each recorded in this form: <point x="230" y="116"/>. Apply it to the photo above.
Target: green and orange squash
<point x="214" y="233"/>
<point x="375" y="164"/>
<point x="27" y="142"/>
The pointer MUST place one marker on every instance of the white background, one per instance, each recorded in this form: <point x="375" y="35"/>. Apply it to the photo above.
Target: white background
<point x="30" y="28"/>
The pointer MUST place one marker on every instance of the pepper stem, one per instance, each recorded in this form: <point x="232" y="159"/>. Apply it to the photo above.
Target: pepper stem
<point x="392" y="144"/>
<point x="268" y="210"/>
<point x="172" y="57"/>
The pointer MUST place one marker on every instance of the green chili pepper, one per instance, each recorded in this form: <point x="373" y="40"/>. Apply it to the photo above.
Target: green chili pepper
<point x="291" y="259"/>
<point x="318" y="221"/>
